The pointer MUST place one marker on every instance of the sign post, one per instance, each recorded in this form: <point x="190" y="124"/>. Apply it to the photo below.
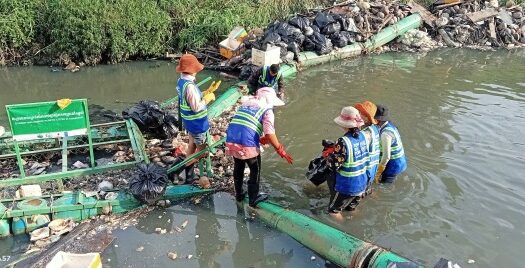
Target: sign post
<point x="49" y="120"/>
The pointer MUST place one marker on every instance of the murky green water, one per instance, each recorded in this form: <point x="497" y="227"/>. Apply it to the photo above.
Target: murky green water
<point x="461" y="115"/>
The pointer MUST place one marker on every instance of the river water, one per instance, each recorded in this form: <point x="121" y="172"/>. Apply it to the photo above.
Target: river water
<point x="460" y="114"/>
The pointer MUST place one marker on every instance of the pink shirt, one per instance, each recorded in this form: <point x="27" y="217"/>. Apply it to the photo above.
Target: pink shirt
<point x="246" y="152"/>
<point x="192" y="96"/>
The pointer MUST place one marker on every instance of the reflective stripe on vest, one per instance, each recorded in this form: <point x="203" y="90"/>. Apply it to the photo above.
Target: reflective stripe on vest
<point x="352" y="167"/>
<point x="397" y="150"/>
<point x="265" y="78"/>
<point x="374" y="147"/>
<point x="246" y="126"/>
<point x="194" y="122"/>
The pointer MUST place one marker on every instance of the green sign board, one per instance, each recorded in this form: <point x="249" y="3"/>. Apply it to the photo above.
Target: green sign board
<point x="47" y="120"/>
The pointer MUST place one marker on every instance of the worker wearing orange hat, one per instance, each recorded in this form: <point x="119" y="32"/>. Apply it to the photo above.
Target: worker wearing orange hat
<point x="192" y="107"/>
<point x="368" y="110"/>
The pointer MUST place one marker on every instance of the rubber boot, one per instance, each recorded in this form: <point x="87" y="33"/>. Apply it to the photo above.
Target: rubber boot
<point x="239" y="193"/>
<point x="260" y="197"/>
<point x="190" y="174"/>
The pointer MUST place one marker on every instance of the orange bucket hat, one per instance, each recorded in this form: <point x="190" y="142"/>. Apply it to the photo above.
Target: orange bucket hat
<point x="368" y="109"/>
<point x="189" y="64"/>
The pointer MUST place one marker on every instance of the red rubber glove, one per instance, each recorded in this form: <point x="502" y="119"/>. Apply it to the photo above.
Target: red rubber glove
<point x="328" y="151"/>
<point x="284" y="154"/>
<point x="264" y="140"/>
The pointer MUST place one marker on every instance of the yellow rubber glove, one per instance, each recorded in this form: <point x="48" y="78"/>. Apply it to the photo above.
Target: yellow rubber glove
<point x="208" y="98"/>
<point x="379" y="172"/>
<point x="214" y="86"/>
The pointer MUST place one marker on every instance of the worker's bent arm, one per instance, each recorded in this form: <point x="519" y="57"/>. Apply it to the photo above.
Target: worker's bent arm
<point x="386" y="148"/>
<point x="192" y="97"/>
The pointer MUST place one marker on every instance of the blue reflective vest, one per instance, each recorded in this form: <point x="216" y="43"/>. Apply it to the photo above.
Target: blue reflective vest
<point x="266" y="80"/>
<point x="246" y="126"/>
<point x="397" y="162"/>
<point x="374" y="151"/>
<point x="193" y="122"/>
<point x="352" y="176"/>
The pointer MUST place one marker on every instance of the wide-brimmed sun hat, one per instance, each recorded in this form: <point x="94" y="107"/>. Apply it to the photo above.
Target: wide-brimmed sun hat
<point x="349" y="118"/>
<point x="368" y="109"/>
<point x="268" y="94"/>
<point x="382" y="113"/>
<point x="189" y="64"/>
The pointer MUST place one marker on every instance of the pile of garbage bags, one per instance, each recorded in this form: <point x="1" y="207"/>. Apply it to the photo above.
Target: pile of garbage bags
<point x="320" y="34"/>
<point x="150" y="118"/>
<point x="148" y="183"/>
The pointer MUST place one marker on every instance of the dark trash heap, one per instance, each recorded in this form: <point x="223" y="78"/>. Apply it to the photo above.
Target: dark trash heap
<point x="322" y="31"/>
<point x="479" y="23"/>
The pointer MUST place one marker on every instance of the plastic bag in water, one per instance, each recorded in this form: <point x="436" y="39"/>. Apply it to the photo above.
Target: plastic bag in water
<point x="148" y="183"/>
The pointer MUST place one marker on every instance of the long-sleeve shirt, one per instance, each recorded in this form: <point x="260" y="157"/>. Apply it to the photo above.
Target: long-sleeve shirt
<point x="192" y="95"/>
<point x="386" y="145"/>
<point x="253" y="81"/>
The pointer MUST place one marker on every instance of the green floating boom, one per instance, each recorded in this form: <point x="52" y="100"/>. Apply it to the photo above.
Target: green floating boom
<point x="307" y="59"/>
<point x="334" y="245"/>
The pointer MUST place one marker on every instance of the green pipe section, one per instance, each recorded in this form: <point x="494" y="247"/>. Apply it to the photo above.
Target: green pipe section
<point x="308" y="58"/>
<point x="334" y="245"/>
<point x="388" y="34"/>
<point x="224" y="102"/>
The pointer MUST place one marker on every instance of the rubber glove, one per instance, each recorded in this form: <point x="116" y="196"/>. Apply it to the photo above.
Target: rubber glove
<point x="379" y="172"/>
<point x="328" y="151"/>
<point x="209" y="98"/>
<point x="280" y="150"/>
<point x="264" y="140"/>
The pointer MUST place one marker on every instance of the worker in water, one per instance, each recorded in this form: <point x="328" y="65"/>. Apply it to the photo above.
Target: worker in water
<point x="367" y="110"/>
<point x="393" y="160"/>
<point x="350" y="158"/>
<point x="267" y="76"/>
<point x="252" y="125"/>
<point x="192" y="108"/>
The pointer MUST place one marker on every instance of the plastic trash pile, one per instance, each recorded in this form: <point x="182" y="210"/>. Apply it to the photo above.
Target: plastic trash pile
<point x="480" y="23"/>
<point x="324" y="31"/>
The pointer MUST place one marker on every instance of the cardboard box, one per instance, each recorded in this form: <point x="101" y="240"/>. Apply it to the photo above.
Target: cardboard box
<point x="262" y="58"/>
<point x="229" y="48"/>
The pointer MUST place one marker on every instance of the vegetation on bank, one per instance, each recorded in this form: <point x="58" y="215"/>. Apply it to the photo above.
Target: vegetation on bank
<point x="94" y="31"/>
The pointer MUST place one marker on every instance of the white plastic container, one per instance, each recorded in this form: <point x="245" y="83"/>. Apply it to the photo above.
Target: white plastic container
<point x="271" y="56"/>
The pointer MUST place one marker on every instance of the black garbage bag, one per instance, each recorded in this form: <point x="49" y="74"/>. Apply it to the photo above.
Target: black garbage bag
<point x="350" y="37"/>
<point x="146" y="114"/>
<point x="339" y="40"/>
<point x="308" y="44"/>
<point x="148" y="183"/>
<point x="331" y="28"/>
<point x="170" y="125"/>
<point x="342" y="20"/>
<point x="323" y="19"/>
<point x="246" y="71"/>
<point x="319" y="170"/>
<point x="299" y="22"/>
<point x="271" y="37"/>
<point x="323" y="45"/>
<point x="284" y="29"/>
<point x="315" y="29"/>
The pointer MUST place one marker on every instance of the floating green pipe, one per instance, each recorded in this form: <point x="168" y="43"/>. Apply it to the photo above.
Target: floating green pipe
<point x="224" y="101"/>
<point x="334" y="245"/>
<point x="307" y="59"/>
<point x="390" y="33"/>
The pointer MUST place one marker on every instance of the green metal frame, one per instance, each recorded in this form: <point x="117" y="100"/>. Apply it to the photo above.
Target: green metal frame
<point x="134" y="137"/>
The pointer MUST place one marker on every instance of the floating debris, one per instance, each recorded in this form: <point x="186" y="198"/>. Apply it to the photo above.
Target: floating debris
<point x="183" y="226"/>
<point x="172" y="255"/>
